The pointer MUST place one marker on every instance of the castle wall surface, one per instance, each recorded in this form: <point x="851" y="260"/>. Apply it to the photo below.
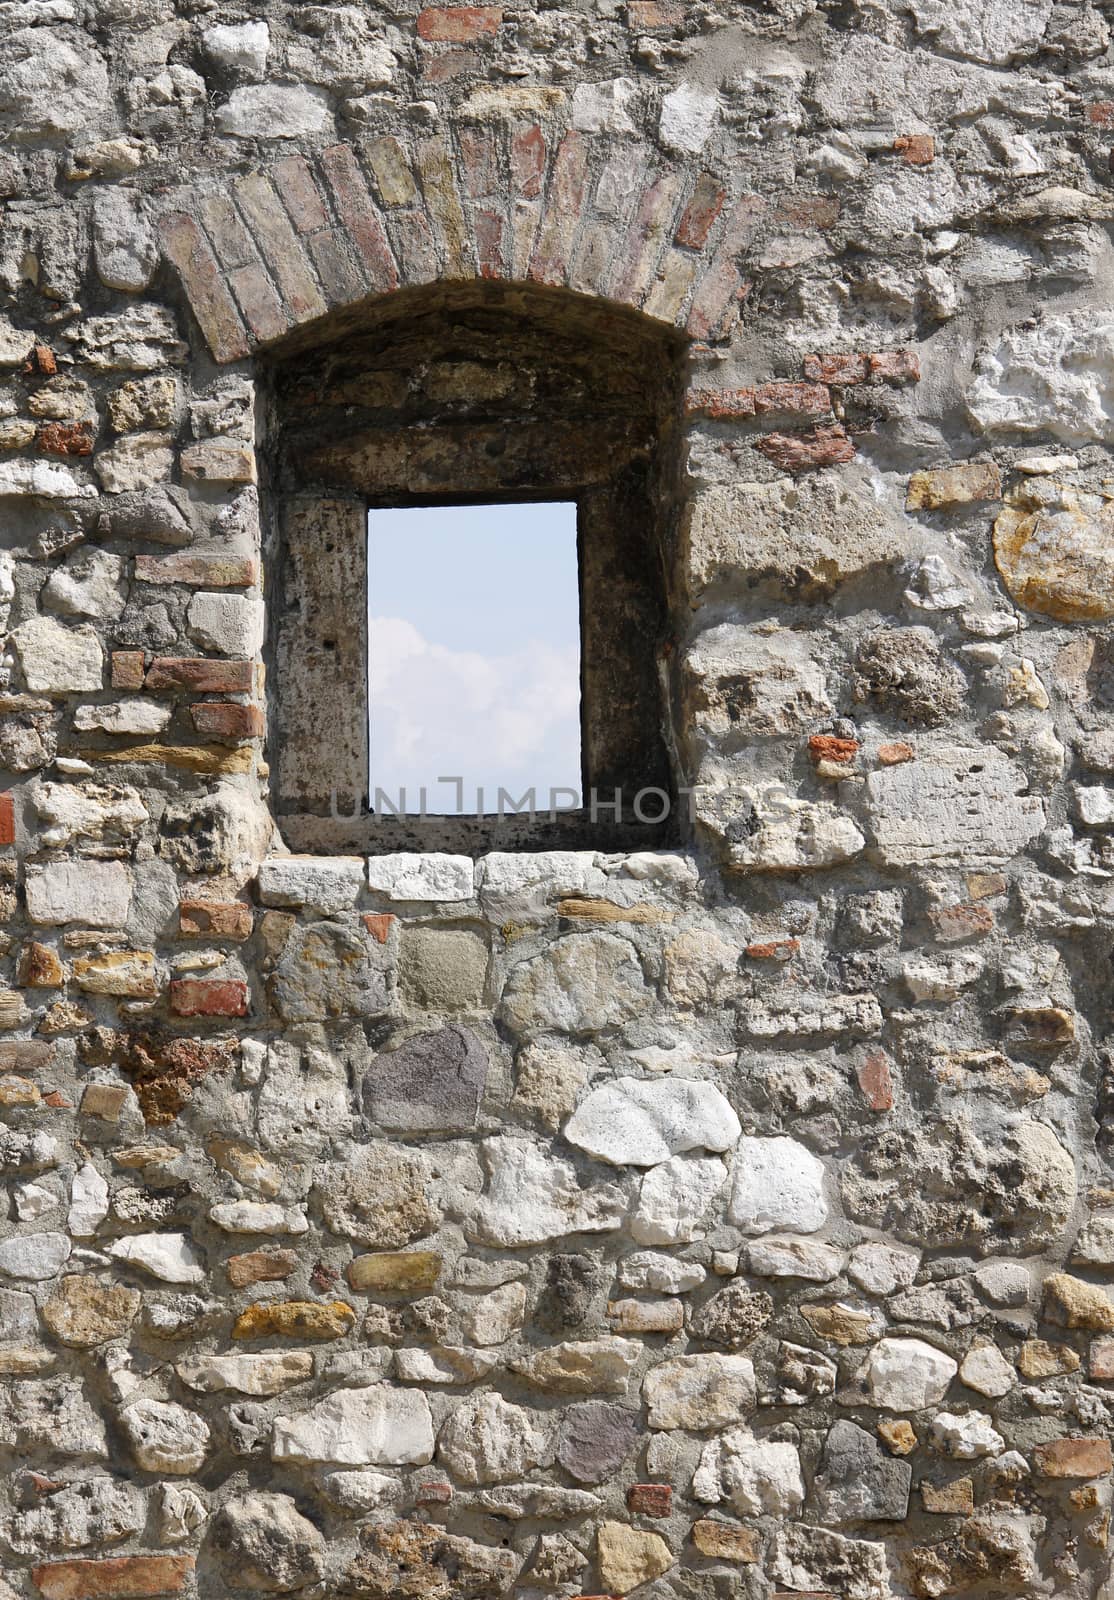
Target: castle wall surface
<point x="730" y="1216"/>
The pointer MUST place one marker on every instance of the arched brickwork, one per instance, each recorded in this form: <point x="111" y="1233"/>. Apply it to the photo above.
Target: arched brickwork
<point x="279" y="248"/>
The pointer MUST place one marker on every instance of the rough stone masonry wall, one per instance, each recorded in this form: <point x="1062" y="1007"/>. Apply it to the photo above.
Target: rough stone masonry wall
<point x="727" y="1221"/>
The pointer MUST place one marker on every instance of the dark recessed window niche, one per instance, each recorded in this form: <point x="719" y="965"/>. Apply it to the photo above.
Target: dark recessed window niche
<point x="527" y="416"/>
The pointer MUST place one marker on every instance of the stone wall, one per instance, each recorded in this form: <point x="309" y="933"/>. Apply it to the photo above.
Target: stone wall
<point x="723" y="1220"/>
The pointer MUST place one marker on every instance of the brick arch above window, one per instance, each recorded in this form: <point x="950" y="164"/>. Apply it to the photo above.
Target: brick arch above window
<point x="281" y="248"/>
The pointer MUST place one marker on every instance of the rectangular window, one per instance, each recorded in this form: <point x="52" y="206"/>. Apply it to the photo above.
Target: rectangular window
<point x="474" y="681"/>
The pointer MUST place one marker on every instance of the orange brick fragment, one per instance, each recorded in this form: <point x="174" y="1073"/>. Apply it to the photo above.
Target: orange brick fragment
<point x="214" y="919"/>
<point x="118" y="1578"/>
<point x="458" y="24"/>
<point x="1073" y="1458"/>
<point x="916" y="149"/>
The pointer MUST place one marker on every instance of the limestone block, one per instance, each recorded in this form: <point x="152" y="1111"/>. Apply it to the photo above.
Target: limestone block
<point x="263" y="1543"/>
<point x="747" y="682"/>
<point x="778" y="1184"/>
<point x="965" y="808"/>
<point x="757" y="1476"/>
<point x="372" y="1426"/>
<point x="674" y="1198"/>
<point x="704" y="1391"/>
<point x="240" y="47"/>
<point x="34" y="1256"/>
<point x="640" y="1122"/>
<point x="425" y="876"/>
<point x="91" y="584"/>
<point x="326" y="884"/>
<point x="167" y="1256"/>
<point x="1053" y="376"/>
<point x="584" y="983"/>
<point x="138" y="461"/>
<point x="908" y="1374"/>
<point x="165" y="1438"/>
<point x="229" y="623"/>
<point x="530" y="1197"/>
<point x="629" y="1556"/>
<point x="816" y="1559"/>
<point x="275" y="111"/>
<point x="769" y="829"/>
<point x="58" y="660"/>
<point x="124" y="247"/>
<point x="487" y="1440"/>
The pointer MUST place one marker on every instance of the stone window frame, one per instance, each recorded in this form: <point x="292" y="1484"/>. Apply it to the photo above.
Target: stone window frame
<point x="621" y="471"/>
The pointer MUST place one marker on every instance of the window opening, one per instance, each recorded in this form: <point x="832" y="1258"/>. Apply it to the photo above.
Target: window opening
<point x="474" y="683"/>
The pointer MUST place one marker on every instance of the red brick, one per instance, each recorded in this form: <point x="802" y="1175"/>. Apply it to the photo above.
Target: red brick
<point x="722" y="286"/>
<point x="699" y="216"/>
<point x="46" y="362"/>
<point x="230" y="239"/>
<point x="458" y="24"/>
<point x="57" y="1101"/>
<point x="7" y="819"/>
<point x="489" y="244"/>
<point x="550" y="261"/>
<point x="65" y="438"/>
<point x="214" y="919"/>
<point x="876" y="1081"/>
<point x="221" y="720"/>
<point x="1100" y="1361"/>
<point x="279" y="245"/>
<point x="202" y="674"/>
<point x="208" y="997"/>
<point x="916" y="149"/>
<point x="952" y="924"/>
<point x="801" y="399"/>
<point x="804" y="452"/>
<point x="895" y="366"/>
<point x="720" y="404"/>
<point x="809" y="211"/>
<point x="212" y="572"/>
<point x="654" y="16"/>
<point x="650" y="1499"/>
<point x="294" y="180"/>
<point x="127" y="669"/>
<point x="26" y="1055"/>
<point x="208" y="295"/>
<point x="634" y="269"/>
<point x="528" y="161"/>
<point x="773" y="949"/>
<point x="894" y="753"/>
<point x="449" y="64"/>
<point x="414" y="246"/>
<point x="434" y="1492"/>
<point x="1073" y="1458"/>
<point x="479" y="162"/>
<point x="826" y="747"/>
<point x="118" y="1578"/>
<point x="378" y="924"/>
<point x="332" y="256"/>
<point x="259" y="301"/>
<point x="360" y="216"/>
<point x="838" y="370"/>
<point x="1100" y="114"/>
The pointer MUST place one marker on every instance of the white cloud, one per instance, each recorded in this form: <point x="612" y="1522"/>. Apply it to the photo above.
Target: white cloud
<point x="511" y="720"/>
